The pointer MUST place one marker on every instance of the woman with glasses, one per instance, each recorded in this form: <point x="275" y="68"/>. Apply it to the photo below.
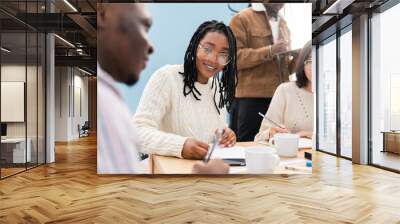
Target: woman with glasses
<point x="183" y="105"/>
<point x="292" y="105"/>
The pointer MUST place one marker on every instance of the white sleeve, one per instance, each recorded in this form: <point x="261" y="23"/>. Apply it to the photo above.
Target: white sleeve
<point x="153" y="106"/>
<point x="275" y="113"/>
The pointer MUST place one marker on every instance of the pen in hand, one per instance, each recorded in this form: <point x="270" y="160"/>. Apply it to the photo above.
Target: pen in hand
<point x="217" y="137"/>
<point x="273" y="122"/>
<point x="209" y="152"/>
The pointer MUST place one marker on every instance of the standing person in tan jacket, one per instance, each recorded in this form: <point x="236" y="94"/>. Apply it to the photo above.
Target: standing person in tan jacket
<point x="263" y="40"/>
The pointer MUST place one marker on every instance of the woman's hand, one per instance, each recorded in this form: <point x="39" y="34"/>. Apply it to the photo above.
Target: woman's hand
<point x="305" y="134"/>
<point x="228" y="139"/>
<point x="194" y="149"/>
<point x="275" y="130"/>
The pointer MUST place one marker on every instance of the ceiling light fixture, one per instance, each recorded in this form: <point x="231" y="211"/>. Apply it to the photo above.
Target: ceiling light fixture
<point x="65" y="41"/>
<point x="84" y="71"/>
<point x="70" y="5"/>
<point x="5" y="50"/>
<point x="338" y="6"/>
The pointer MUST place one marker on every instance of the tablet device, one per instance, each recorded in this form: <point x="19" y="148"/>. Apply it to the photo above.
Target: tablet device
<point x="235" y="162"/>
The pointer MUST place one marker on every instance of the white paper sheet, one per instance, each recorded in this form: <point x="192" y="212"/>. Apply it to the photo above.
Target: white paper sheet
<point x="235" y="152"/>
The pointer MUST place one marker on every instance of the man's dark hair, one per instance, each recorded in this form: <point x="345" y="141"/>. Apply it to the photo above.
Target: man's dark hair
<point x="227" y="81"/>
<point x="302" y="80"/>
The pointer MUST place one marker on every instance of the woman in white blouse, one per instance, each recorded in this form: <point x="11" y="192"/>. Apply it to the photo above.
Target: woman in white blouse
<point x="292" y="104"/>
<point x="183" y="105"/>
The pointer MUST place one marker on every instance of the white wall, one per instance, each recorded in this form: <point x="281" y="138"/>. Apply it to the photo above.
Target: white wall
<point x="80" y="109"/>
<point x="62" y="80"/>
<point x="13" y="73"/>
<point x="71" y="94"/>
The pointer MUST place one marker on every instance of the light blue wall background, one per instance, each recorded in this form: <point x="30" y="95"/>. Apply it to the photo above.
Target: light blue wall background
<point x="173" y="26"/>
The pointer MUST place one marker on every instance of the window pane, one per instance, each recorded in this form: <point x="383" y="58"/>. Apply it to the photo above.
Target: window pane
<point x="327" y="96"/>
<point x="41" y="98"/>
<point x="31" y="97"/>
<point x="385" y="89"/>
<point x="32" y="88"/>
<point x="346" y="93"/>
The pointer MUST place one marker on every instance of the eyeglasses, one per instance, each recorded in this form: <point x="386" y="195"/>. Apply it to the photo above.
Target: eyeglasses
<point x="307" y="62"/>
<point x="222" y="58"/>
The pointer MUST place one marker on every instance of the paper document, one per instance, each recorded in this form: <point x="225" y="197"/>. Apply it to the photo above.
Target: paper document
<point x="235" y="152"/>
<point x="291" y="162"/>
<point x="305" y="143"/>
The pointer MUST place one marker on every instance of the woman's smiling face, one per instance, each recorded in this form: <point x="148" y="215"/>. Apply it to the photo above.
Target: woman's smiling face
<point x="212" y="55"/>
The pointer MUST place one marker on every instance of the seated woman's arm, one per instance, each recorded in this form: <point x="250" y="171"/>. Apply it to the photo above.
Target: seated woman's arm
<point x="305" y="134"/>
<point x="276" y="114"/>
<point x="154" y="104"/>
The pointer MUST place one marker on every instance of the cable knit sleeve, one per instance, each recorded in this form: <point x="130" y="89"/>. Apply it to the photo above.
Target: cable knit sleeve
<point x="275" y="112"/>
<point x="154" y="104"/>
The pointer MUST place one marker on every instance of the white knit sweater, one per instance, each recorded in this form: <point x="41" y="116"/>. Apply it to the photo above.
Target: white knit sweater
<point x="165" y="118"/>
<point x="291" y="106"/>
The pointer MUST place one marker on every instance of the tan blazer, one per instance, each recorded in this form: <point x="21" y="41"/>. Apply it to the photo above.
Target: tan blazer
<point x="258" y="72"/>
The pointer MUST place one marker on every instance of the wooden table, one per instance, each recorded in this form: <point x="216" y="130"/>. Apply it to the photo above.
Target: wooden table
<point x="391" y="141"/>
<point x="172" y="165"/>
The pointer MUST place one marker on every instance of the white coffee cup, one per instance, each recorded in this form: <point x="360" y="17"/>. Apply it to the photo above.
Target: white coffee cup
<point x="286" y="144"/>
<point x="261" y="159"/>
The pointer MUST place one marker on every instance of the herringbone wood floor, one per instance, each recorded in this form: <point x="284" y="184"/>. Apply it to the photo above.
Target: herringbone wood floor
<point x="70" y="191"/>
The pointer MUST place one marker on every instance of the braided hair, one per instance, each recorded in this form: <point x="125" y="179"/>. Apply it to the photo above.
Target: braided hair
<point x="227" y="81"/>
